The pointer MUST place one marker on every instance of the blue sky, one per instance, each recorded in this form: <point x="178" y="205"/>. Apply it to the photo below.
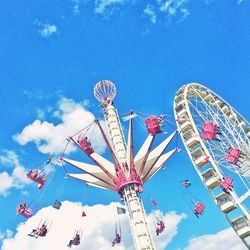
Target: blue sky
<point x="52" y="54"/>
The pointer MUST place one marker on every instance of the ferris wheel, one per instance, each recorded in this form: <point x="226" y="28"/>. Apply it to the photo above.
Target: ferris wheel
<point x="216" y="138"/>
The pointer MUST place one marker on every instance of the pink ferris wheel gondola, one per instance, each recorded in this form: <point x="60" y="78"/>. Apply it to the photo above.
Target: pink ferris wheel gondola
<point x="209" y="130"/>
<point x="226" y="183"/>
<point x="214" y="129"/>
<point x="233" y="155"/>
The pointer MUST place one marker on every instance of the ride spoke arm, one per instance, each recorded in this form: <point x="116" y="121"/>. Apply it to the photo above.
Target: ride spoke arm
<point x="91" y="180"/>
<point x="92" y="170"/>
<point x="142" y="155"/>
<point x="130" y="146"/>
<point x="158" y="165"/>
<point x="156" y="153"/>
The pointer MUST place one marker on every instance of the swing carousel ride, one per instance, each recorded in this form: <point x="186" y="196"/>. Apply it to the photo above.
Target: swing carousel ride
<point x="127" y="173"/>
<point x="216" y="138"/>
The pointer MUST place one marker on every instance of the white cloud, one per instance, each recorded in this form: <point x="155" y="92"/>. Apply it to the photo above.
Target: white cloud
<point x="172" y="221"/>
<point x="98" y="229"/>
<point x="172" y="7"/>
<point x="50" y="138"/>
<point x="225" y="239"/>
<point x="6" y="182"/>
<point x="40" y="114"/>
<point x="149" y="11"/>
<point x="76" y="6"/>
<point x="17" y="178"/>
<point x="6" y="235"/>
<point x="101" y="5"/>
<point x="9" y="158"/>
<point x="1" y="236"/>
<point x="46" y="29"/>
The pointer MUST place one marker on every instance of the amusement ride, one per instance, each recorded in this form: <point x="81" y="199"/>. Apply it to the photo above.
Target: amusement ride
<point x="216" y="139"/>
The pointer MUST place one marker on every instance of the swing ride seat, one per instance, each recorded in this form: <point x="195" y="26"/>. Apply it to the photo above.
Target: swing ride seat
<point x="76" y="242"/>
<point x="209" y="130"/>
<point x="33" y="233"/>
<point x="117" y="240"/>
<point x="199" y="208"/>
<point x="85" y="146"/>
<point x="76" y="239"/>
<point x="26" y="212"/>
<point x="41" y="232"/>
<point x="160" y="228"/>
<point x="233" y="155"/>
<point x="153" y="125"/>
<point x="186" y="183"/>
<point x="37" y="177"/>
<point x="226" y="183"/>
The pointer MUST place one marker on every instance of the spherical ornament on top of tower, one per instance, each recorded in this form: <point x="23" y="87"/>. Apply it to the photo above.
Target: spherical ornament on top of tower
<point x="105" y="91"/>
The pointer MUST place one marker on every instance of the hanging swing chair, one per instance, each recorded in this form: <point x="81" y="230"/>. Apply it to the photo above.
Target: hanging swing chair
<point x="24" y="210"/>
<point x="118" y="231"/>
<point x="41" y="231"/>
<point x="76" y="238"/>
<point x="118" y="235"/>
<point x="199" y="209"/>
<point x="38" y="176"/>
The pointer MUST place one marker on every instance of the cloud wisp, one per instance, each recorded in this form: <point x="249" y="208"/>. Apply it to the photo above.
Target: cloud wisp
<point x="102" y="5"/>
<point x="14" y="175"/>
<point x="170" y="8"/>
<point x="150" y="12"/>
<point x="46" y="29"/>
<point x="76" y="7"/>
<point x="6" y="234"/>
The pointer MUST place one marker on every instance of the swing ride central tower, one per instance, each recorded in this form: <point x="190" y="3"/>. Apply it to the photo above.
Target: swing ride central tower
<point x="126" y="174"/>
<point x="128" y="182"/>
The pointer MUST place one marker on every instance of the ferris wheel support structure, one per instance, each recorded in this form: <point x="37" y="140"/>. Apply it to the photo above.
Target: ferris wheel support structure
<point x="194" y="105"/>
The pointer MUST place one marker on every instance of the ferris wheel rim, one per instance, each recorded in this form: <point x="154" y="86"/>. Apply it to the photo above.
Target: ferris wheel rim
<point x="183" y="93"/>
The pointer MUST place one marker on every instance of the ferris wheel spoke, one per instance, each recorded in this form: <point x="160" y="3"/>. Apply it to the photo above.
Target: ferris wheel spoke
<point x="231" y="138"/>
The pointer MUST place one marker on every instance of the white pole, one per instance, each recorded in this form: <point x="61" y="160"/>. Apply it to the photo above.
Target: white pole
<point x="138" y="222"/>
